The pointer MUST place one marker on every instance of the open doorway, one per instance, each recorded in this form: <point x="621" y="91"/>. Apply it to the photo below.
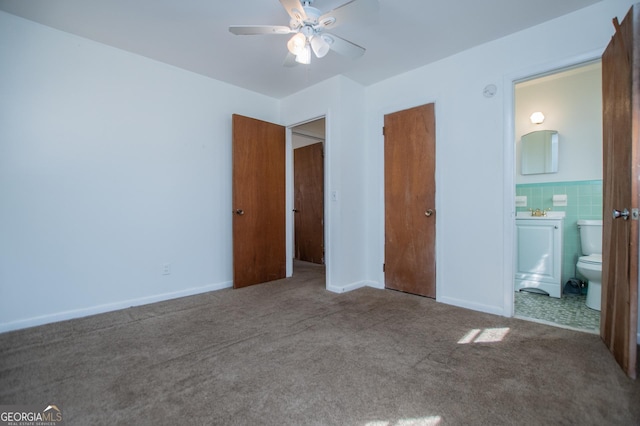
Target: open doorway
<point x="570" y="101"/>
<point x="308" y="241"/>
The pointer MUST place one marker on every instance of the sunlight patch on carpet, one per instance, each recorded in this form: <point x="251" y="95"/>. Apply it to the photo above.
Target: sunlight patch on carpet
<point x="488" y="335"/>
<point x="423" y="421"/>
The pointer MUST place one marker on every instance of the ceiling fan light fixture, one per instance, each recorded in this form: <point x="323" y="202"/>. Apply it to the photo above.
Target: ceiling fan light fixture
<point x="320" y="46"/>
<point x="306" y="29"/>
<point x="304" y="57"/>
<point x="297" y="44"/>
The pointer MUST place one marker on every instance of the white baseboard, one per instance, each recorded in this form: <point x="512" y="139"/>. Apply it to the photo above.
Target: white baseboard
<point x="375" y="284"/>
<point x="349" y="287"/>
<point x="496" y="310"/>
<point x="100" y="309"/>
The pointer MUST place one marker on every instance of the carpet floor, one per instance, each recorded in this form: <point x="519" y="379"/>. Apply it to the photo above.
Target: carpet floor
<point x="289" y="352"/>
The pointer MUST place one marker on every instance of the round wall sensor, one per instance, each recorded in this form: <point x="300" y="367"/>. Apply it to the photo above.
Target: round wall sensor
<point x="490" y="91"/>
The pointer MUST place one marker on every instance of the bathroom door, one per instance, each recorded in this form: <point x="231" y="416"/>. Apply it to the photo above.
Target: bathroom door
<point x="410" y="222"/>
<point x="258" y="179"/>
<point x="621" y="150"/>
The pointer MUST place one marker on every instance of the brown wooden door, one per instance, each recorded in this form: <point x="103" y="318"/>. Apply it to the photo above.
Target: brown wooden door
<point x="621" y="115"/>
<point x="308" y="178"/>
<point x="410" y="221"/>
<point x="258" y="201"/>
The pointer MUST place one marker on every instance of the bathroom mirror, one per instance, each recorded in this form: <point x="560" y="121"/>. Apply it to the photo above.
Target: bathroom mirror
<point x="540" y="152"/>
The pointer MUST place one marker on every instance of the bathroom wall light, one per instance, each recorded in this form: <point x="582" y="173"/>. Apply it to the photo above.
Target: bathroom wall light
<point x="537" y="117"/>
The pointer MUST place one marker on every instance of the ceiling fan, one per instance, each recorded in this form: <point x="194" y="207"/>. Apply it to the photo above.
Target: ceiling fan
<point x="308" y="25"/>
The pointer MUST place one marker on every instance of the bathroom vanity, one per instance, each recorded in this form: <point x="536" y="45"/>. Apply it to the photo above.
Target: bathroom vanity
<point x="539" y="252"/>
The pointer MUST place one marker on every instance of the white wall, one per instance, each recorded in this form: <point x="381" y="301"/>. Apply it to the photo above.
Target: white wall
<point x="111" y="165"/>
<point x="572" y="104"/>
<point x="475" y="154"/>
<point x="341" y="100"/>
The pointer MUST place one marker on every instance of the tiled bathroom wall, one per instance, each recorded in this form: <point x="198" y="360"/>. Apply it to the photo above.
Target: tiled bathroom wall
<point x="584" y="201"/>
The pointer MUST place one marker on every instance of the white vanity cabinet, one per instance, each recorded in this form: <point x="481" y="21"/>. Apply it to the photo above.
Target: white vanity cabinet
<point x="539" y="252"/>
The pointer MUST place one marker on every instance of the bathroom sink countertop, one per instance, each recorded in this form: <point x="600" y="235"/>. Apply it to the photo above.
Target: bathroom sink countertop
<point x="550" y="215"/>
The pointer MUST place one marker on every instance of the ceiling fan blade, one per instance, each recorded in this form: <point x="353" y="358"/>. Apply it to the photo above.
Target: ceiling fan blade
<point x="352" y="10"/>
<point x="343" y="47"/>
<point x="258" y="29"/>
<point x="290" y="60"/>
<point x="294" y="9"/>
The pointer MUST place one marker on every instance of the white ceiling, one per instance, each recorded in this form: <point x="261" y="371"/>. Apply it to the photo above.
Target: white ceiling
<point x="193" y="34"/>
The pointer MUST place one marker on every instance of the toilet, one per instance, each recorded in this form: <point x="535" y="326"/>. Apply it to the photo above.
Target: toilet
<point x="590" y="265"/>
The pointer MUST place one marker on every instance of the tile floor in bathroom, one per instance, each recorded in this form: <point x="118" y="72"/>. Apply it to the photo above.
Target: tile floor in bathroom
<point x="569" y="311"/>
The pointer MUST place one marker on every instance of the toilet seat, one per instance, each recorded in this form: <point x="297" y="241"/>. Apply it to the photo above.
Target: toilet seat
<point x="592" y="259"/>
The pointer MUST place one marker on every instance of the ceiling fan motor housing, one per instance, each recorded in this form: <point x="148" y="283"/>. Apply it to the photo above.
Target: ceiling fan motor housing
<point x="311" y="24"/>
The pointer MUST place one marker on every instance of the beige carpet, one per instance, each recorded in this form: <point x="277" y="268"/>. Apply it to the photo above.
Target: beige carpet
<point x="291" y="353"/>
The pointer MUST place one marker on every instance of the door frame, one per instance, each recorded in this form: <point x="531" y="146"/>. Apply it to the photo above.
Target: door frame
<point x="290" y="194"/>
<point x="509" y="190"/>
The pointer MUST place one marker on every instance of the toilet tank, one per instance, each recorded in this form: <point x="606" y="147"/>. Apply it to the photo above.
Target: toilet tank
<point x="590" y="236"/>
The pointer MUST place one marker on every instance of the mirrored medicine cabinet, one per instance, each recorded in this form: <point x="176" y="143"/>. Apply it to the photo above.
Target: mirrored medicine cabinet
<point x="539" y="152"/>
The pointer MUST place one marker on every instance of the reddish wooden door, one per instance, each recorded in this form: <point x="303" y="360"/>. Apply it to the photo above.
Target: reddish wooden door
<point x="308" y="178"/>
<point x="410" y="222"/>
<point x="258" y="201"/>
<point x="621" y="115"/>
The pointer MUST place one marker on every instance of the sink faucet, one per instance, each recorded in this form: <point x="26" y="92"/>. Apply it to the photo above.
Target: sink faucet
<point x="538" y="212"/>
